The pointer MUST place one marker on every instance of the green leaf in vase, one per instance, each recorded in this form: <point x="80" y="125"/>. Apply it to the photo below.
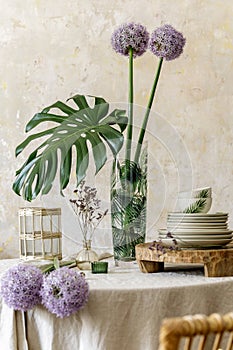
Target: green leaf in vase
<point x="78" y="132"/>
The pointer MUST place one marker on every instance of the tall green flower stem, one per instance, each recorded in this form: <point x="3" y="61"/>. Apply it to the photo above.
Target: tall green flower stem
<point x="130" y="107"/>
<point x="147" y="114"/>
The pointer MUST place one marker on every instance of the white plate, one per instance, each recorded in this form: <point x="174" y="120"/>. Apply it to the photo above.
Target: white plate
<point x="196" y="244"/>
<point x="193" y="228"/>
<point x="198" y="219"/>
<point x="198" y="224"/>
<point x="198" y="237"/>
<point x="202" y="215"/>
<point x="196" y="232"/>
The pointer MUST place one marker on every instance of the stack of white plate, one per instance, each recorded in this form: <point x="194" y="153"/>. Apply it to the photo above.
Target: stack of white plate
<point x="197" y="230"/>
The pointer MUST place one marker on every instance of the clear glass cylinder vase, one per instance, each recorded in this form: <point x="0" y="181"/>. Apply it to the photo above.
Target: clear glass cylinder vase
<point x="128" y="206"/>
<point x="86" y="256"/>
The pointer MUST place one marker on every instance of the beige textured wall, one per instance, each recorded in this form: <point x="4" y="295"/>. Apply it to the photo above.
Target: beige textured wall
<point x="52" y="49"/>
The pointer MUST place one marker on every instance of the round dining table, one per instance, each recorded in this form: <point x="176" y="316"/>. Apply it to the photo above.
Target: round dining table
<point x="124" y="311"/>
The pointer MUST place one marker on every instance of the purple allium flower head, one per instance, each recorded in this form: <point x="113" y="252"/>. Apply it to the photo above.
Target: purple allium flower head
<point x="64" y="291"/>
<point x="20" y="287"/>
<point x="166" y="42"/>
<point x="130" y="35"/>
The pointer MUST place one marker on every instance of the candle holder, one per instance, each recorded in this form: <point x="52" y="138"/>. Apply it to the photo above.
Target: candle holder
<point x="40" y="236"/>
<point x="99" y="267"/>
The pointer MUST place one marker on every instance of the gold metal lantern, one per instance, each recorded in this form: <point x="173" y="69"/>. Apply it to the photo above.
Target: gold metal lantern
<point x="40" y="236"/>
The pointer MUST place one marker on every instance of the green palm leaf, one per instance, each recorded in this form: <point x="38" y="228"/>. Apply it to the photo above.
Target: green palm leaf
<point x="78" y="132"/>
<point x="203" y="193"/>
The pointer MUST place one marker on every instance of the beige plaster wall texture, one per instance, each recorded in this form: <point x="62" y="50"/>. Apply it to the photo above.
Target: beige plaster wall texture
<point x="50" y="50"/>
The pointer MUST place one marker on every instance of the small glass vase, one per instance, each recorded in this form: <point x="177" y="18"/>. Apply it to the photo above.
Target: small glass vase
<point x="128" y="206"/>
<point x="86" y="256"/>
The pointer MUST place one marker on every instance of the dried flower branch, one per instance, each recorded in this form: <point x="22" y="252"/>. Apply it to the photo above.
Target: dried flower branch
<point x="161" y="248"/>
<point x="86" y="206"/>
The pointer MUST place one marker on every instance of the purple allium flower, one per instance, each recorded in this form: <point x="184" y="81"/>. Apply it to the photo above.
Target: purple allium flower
<point x="166" y="42"/>
<point x="64" y="291"/>
<point x="130" y="35"/>
<point x="20" y="287"/>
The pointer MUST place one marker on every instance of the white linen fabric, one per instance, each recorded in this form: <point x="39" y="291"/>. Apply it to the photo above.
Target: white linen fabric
<point x="124" y="311"/>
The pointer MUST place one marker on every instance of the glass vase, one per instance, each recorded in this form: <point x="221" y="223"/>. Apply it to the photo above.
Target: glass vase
<point x="128" y="206"/>
<point x="86" y="256"/>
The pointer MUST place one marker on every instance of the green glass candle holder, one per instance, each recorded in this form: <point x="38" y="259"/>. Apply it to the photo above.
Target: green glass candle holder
<point x="99" y="267"/>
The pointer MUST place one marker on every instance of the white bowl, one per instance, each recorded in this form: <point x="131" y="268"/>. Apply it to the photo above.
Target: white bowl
<point x="188" y="205"/>
<point x="196" y="193"/>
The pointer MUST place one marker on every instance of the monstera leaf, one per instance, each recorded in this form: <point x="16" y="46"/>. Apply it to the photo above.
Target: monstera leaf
<point x="78" y="131"/>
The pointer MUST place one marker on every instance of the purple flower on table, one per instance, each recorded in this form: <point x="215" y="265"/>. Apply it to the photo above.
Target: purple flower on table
<point x="166" y="42"/>
<point x="64" y="291"/>
<point x="20" y="287"/>
<point x="130" y="35"/>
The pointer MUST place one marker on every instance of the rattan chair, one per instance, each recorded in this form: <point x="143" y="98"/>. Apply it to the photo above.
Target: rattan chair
<point x="197" y="332"/>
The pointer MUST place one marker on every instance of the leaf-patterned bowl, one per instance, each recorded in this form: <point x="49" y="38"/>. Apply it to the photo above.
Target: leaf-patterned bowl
<point x="203" y="192"/>
<point x="193" y="205"/>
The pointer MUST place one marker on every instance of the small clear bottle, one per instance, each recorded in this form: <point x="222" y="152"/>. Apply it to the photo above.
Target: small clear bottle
<point x="86" y="256"/>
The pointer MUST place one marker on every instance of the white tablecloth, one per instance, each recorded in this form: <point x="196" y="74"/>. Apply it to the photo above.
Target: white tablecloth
<point x="124" y="311"/>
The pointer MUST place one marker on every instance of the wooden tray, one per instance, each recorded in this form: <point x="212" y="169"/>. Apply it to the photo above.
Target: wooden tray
<point x="217" y="262"/>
